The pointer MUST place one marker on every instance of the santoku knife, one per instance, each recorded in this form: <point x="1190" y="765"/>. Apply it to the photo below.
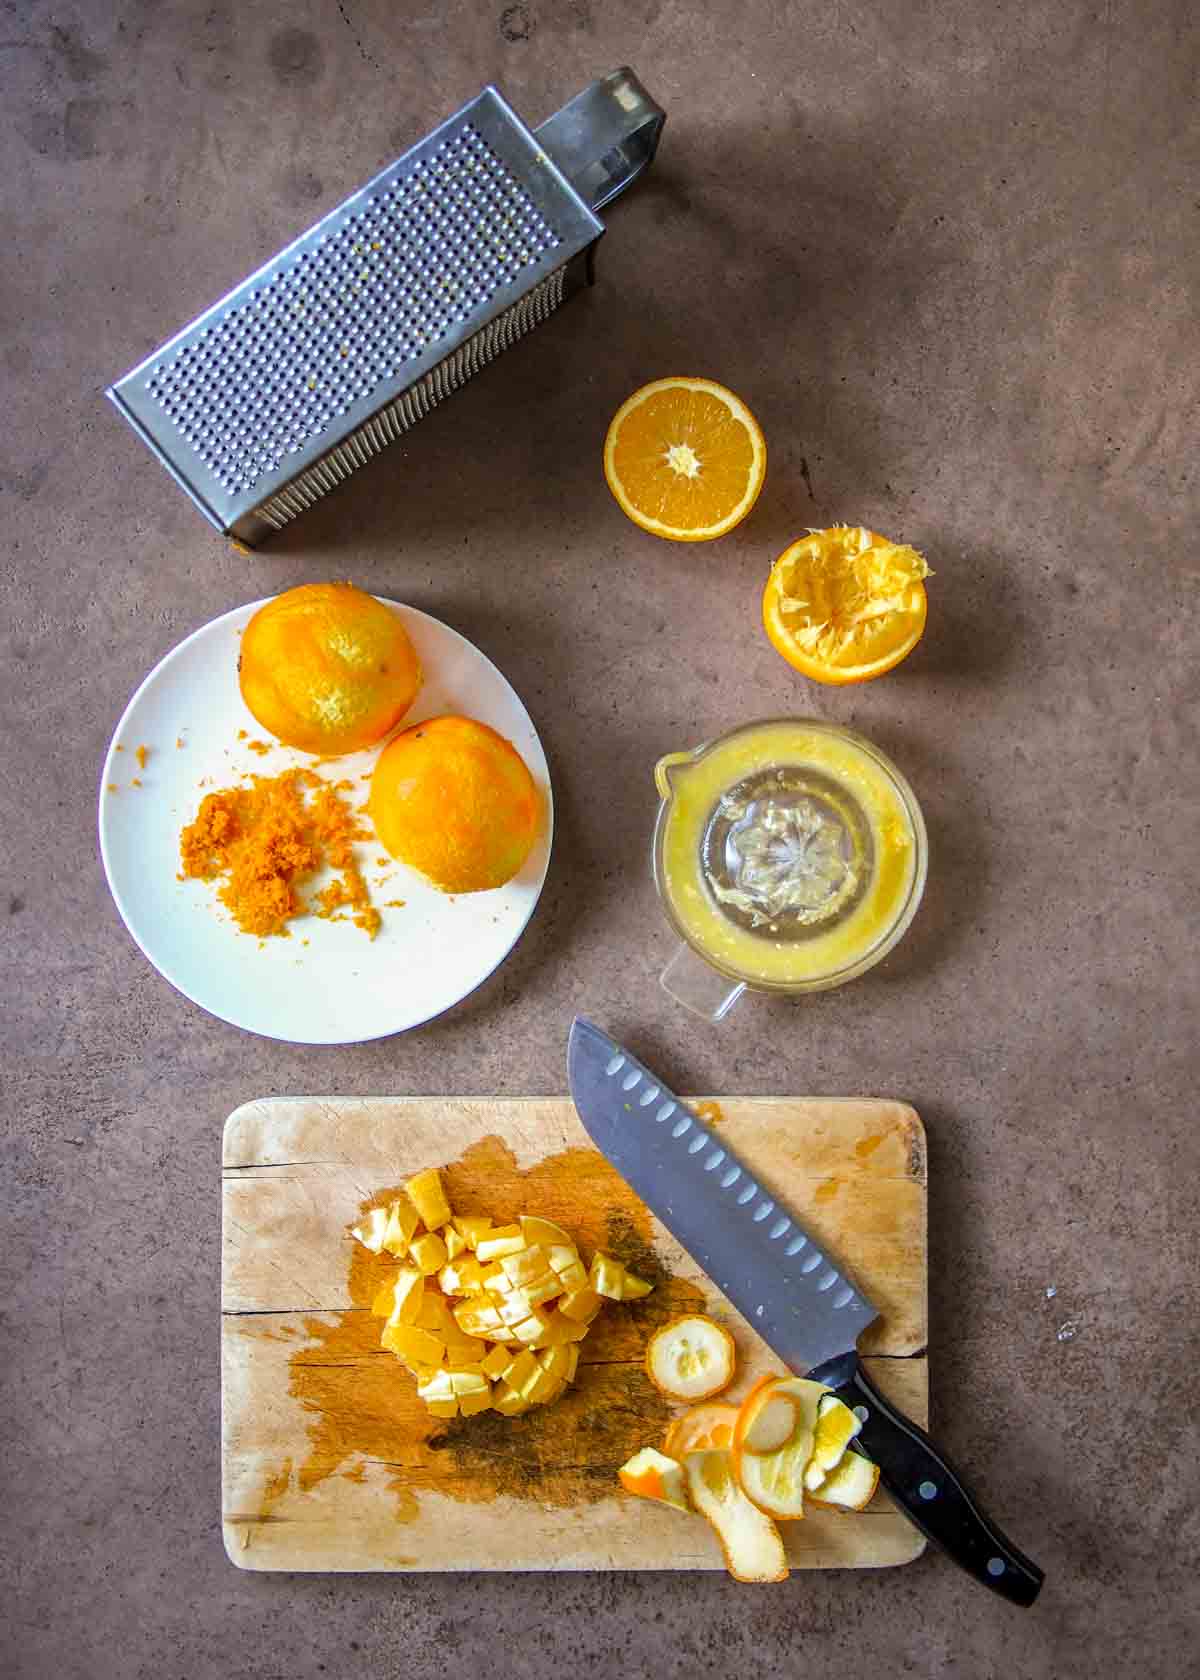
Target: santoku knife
<point x="779" y="1280"/>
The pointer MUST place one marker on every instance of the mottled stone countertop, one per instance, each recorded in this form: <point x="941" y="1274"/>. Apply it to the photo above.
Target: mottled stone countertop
<point x="948" y="254"/>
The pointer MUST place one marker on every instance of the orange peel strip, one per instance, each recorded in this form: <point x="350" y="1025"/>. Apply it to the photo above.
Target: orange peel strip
<point x="774" y="1480"/>
<point x="750" y="1542"/>
<point x="650" y="1474"/>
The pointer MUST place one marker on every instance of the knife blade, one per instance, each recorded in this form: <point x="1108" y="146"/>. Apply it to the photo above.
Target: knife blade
<point x="782" y="1283"/>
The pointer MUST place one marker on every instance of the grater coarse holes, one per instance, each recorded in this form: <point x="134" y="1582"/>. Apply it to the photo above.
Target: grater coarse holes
<point x="348" y="337"/>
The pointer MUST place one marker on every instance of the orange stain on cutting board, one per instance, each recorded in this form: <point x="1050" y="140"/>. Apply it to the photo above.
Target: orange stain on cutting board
<point x="363" y="1405"/>
<point x="866" y="1147"/>
<point x="273" y="1490"/>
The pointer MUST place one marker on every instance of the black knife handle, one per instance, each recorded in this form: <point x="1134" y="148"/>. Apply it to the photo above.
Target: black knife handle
<point x="928" y="1487"/>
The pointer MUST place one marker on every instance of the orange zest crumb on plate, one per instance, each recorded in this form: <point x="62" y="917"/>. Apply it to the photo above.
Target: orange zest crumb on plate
<point x="262" y="842"/>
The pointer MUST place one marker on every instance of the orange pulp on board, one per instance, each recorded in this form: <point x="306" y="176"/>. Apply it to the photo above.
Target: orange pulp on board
<point x="328" y="668"/>
<point x="685" y="459"/>
<point x="845" y="605"/>
<point x="455" y="800"/>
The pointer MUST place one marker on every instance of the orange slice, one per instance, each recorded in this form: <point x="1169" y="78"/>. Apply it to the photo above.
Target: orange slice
<point x="845" y="605"/>
<point x="685" y="459"/>
<point x="691" y="1358"/>
<point x="703" y="1427"/>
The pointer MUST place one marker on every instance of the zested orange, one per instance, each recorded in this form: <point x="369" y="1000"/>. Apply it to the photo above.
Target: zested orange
<point x="685" y="459"/>
<point x="328" y="668"/>
<point x="455" y="800"/>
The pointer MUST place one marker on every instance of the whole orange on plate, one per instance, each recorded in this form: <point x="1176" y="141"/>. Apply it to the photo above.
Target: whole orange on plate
<point x="685" y="459"/>
<point x="845" y="605"/>
<point x="328" y="668"/>
<point x="455" y="800"/>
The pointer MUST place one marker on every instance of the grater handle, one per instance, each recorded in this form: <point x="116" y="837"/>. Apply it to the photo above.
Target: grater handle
<point x="605" y="137"/>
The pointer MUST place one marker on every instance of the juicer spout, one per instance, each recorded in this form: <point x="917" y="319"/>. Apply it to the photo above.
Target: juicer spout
<point x="668" y="769"/>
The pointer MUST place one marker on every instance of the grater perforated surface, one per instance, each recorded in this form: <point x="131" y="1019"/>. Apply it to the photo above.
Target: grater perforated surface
<point x="351" y="334"/>
<point x="420" y="257"/>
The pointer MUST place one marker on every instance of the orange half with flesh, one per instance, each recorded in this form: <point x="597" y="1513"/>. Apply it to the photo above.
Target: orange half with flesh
<point x="685" y="459"/>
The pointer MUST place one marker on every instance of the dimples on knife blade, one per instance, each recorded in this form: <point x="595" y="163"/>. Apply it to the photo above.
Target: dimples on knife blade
<point x="752" y="1249"/>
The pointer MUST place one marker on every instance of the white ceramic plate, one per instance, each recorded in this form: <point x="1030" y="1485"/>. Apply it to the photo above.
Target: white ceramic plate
<point x="341" y="987"/>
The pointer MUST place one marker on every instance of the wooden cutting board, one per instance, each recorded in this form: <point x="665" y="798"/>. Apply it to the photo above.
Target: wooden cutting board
<point x="329" y="1462"/>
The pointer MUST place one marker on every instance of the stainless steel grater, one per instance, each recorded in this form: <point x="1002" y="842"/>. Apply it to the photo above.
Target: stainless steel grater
<point x="339" y="344"/>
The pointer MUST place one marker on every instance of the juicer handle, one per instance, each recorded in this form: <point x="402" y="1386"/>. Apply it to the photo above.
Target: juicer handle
<point x="698" y="987"/>
<point x="605" y="137"/>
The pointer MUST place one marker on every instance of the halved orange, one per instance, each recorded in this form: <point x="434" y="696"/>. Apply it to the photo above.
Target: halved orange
<point x="685" y="459"/>
<point x="845" y="605"/>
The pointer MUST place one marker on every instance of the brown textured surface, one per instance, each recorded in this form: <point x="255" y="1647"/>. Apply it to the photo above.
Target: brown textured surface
<point x="948" y="253"/>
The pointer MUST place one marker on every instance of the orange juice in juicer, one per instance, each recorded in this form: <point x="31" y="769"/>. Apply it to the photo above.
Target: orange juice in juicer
<point x="790" y="856"/>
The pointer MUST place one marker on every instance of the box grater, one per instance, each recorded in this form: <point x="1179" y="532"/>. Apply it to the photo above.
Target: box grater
<point x="342" y="342"/>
